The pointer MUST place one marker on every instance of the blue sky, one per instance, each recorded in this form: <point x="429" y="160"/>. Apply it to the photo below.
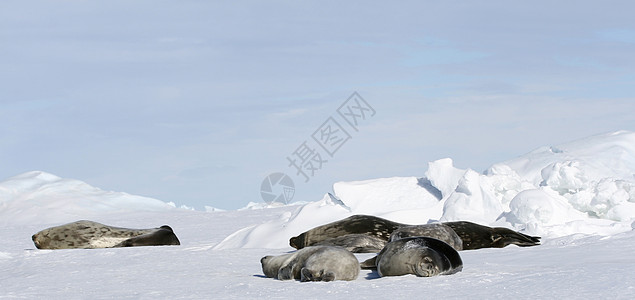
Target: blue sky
<point x="197" y="102"/>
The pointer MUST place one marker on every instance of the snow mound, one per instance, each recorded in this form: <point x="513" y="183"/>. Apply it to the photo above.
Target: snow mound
<point x="405" y="192"/>
<point x="582" y="187"/>
<point x="41" y="198"/>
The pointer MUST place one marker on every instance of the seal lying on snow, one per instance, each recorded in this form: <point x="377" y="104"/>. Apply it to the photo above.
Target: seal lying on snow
<point x="317" y="263"/>
<point x="356" y="243"/>
<point x="90" y="235"/>
<point x="438" y="231"/>
<point x="473" y="236"/>
<point x="421" y="256"/>
<point x="360" y="225"/>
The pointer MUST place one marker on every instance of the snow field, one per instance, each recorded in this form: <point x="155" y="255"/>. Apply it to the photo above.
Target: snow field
<point x="579" y="196"/>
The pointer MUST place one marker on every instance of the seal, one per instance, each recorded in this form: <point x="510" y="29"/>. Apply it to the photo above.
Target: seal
<point x="475" y="236"/>
<point x="438" y="231"/>
<point x="91" y="235"/>
<point x="162" y="236"/>
<point x="351" y="229"/>
<point x="421" y="256"/>
<point x="356" y="243"/>
<point x="316" y="263"/>
<point x="358" y="224"/>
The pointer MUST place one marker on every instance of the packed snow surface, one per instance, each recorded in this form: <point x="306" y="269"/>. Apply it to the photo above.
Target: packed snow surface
<point x="579" y="196"/>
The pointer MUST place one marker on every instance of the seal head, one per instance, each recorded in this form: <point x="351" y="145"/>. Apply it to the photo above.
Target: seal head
<point x="421" y="256"/>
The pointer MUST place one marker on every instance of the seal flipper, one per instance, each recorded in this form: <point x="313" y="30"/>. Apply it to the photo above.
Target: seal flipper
<point x="328" y="276"/>
<point x="298" y="241"/>
<point x="285" y="273"/>
<point x="503" y="237"/>
<point x="370" y="263"/>
<point x="306" y="275"/>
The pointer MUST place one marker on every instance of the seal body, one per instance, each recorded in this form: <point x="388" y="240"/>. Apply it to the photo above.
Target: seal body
<point x="317" y="263"/>
<point x="475" y="236"/>
<point x="163" y="235"/>
<point x="375" y="227"/>
<point x="356" y="243"/>
<point x="90" y="235"/>
<point x="438" y="231"/>
<point x="349" y="232"/>
<point x="421" y="256"/>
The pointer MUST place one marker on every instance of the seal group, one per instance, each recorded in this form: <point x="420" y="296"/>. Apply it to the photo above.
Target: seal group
<point x="367" y="234"/>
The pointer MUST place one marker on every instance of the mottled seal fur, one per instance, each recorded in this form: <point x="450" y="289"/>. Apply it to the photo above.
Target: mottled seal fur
<point x="317" y="263"/>
<point x="475" y="236"/>
<point x="162" y="236"/>
<point x="354" y="225"/>
<point x="356" y="243"/>
<point x="352" y="229"/>
<point x="421" y="256"/>
<point x="438" y="231"/>
<point x="90" y="235"/>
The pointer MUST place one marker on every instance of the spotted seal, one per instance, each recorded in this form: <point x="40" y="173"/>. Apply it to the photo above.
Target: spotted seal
<point x="90" y="235"/>
<point x="351" y="229"/>
<point x="438" y="231"/>
<point x="315" y="263"/>
<point x="421" y="256"/>
<point x="360" y="225"/>
<point x="475" y="236"/>
<point x="356" y="243"/>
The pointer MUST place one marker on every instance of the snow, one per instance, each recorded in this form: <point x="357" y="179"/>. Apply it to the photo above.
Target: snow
<point x="580" y="196"/>
<point x="361" y="196"/>
<point x="47" y="199"/>
<point x="549" y="192"/>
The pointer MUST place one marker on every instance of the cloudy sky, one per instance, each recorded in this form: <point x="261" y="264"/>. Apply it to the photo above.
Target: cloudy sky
<point x="197" y="102"/>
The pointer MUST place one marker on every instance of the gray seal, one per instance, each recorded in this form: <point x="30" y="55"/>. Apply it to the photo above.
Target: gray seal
<point x="91" y="235"/>
<point x="356" y="243"/>
<point x="378" y="230"/>
<point x="358" y="225"/>
<point x="318" y="263"/>
<point x="438" y="231"/>
<point x="475" y="236"/>
<point x="421" y="256"/>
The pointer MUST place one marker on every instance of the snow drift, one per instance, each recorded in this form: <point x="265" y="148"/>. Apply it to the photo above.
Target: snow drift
<point x="557" y="192"/>
<point x="586" y="186"/>
<point x="42" y="198"/>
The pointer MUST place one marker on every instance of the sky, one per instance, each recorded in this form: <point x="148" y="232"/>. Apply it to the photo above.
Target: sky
<point x="197" y="102"/>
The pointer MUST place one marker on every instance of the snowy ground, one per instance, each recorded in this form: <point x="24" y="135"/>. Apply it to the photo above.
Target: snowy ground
<point x="569" y="267"/>
<point x="579" y="196"/>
